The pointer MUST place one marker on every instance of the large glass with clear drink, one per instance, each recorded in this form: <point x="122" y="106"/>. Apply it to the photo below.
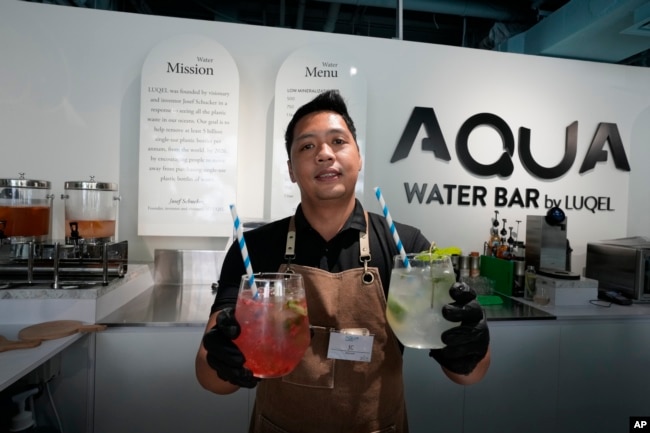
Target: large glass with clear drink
<point x="416" y="297"/>
<point x="272" y="314"/>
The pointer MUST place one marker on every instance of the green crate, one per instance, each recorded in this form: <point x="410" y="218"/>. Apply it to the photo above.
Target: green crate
<point x="500" y="271"/>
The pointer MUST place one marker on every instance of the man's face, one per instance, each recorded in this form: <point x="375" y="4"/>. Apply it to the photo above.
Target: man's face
<point x="325" y="160"/>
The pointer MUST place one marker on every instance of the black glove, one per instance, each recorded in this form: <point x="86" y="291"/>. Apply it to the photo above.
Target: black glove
<point x="467" y="343"/>
<point x="223" y="355"/>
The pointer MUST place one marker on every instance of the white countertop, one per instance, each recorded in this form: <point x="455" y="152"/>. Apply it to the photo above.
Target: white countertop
<point x="14" y="364"/>
<point x="30" y="305"/>
<point x="596" y="309"/>
<point x="23" y="307"/>
<point x="166" y="305"/>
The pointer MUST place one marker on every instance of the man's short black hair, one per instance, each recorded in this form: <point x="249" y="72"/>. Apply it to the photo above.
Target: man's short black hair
<point x="330" y="100"/>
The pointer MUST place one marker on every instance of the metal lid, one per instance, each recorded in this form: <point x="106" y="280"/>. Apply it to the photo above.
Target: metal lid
<point x="91" y="184"/>
<point x="520" y="267"/>
<point x="24" y="183"/>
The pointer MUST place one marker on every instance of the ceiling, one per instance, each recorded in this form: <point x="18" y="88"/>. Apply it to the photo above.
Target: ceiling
<point x="611" y="31"/>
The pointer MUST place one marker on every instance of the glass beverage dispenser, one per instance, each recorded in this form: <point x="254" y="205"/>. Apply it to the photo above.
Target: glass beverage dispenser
<point x="90" y="211"/>
<point x="25" y="210"/>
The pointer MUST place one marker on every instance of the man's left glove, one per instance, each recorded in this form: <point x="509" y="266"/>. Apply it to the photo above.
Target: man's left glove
<point x="467" y="343"/>
<point x="223" y="354"/>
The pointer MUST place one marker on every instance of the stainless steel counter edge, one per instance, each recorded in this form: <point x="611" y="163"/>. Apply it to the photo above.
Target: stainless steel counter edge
<point x="164" y="305"/>
<point x="93" y="292"/>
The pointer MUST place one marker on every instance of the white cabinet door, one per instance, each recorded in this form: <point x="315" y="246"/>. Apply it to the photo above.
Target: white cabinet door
<point x="604" y="379"/>
<point x="145" y="383"/>
<point x="518" y="393"/>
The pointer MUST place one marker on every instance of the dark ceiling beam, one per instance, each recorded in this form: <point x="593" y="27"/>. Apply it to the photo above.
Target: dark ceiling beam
<point x="608" y="31"/>
<point x="141" y="6"/>
<point x="332" y="17"/>
<point x="466" y="8"/>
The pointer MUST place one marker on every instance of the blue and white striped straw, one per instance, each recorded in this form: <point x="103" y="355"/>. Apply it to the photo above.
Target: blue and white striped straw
<point x="393" y="231"/>
<point x="243" y="250"/>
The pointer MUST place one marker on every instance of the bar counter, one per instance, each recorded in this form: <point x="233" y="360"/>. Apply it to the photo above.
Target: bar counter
<point x="552" y="355"/>
<point x="189" y="305"/>
<point x="28" y="305"/>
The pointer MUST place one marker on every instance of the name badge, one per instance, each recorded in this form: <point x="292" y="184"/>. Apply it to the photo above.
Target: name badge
<point x="350" y="345"/>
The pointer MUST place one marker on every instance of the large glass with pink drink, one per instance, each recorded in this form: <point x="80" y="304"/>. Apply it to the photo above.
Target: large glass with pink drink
<point x="272" y="314"/>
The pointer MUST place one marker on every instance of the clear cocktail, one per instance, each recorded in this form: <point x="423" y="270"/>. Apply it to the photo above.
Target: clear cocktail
<point x="274" y="323"/>
<point x="416" y="298"/>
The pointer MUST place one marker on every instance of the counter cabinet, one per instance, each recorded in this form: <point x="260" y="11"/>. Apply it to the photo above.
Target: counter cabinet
<point x="559" y="375"/>
<point x="572" y="371"/>
<point x="145" y="382"/>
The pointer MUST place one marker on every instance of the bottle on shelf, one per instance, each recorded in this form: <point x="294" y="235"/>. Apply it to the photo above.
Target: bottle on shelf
<point x="503" y="250"/>
<point x="494" y="241"/>
<point x="474" y="264"/>
<point x="518" y="282"/>
<point x="530" y="283"/>
<point x="463" y="267"/>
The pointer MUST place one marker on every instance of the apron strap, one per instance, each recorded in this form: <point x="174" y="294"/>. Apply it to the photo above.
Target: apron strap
<point x="364" y="254"/>
<point x="364" y="250"/>
<point x="290" y="247"/>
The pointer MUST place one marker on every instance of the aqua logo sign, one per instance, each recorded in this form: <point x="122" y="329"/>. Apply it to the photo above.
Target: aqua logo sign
<point x="606" y="141"/>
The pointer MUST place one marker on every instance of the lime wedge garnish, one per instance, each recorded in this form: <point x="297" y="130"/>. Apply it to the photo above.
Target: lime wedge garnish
<point x="297" y="308"/>
<point x="449" y="251"/>
<point x="427" y="256"/>
<point x="396" y="309"/>
<point x="438" y="253"/>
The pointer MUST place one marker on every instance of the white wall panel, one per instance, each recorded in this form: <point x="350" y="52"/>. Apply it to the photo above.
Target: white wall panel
<point x="69" y="108"/>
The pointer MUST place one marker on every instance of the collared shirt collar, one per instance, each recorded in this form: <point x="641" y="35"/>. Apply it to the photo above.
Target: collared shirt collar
<point x="356" y="220"/>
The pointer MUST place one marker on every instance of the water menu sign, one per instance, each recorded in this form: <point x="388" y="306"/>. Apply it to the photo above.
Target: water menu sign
<point x="188" y="139"/>
<point x="303" y="75"/>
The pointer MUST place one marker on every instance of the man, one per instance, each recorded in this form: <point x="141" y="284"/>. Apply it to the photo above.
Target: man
<point x="346" y="287"/>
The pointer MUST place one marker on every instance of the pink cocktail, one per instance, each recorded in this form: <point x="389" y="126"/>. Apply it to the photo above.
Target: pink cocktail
<point x="274" y="323"/>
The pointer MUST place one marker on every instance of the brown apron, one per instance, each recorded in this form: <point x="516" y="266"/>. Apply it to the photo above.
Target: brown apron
<point x="332" y="395"/>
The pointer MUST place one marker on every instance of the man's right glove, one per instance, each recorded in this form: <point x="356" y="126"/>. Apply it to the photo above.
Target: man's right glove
<point x="466" y="344"/>
<point x="223" y="355"/>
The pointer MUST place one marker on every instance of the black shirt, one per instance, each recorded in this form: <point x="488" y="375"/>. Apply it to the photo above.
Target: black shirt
<point x="266" y="250"/>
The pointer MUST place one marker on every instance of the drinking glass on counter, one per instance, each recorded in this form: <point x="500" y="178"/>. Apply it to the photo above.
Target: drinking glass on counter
<point x="530" y="277"/>
<point x="541" y="296"/>
<point x="272" y="313"/>
<point x="416" y="297"/>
